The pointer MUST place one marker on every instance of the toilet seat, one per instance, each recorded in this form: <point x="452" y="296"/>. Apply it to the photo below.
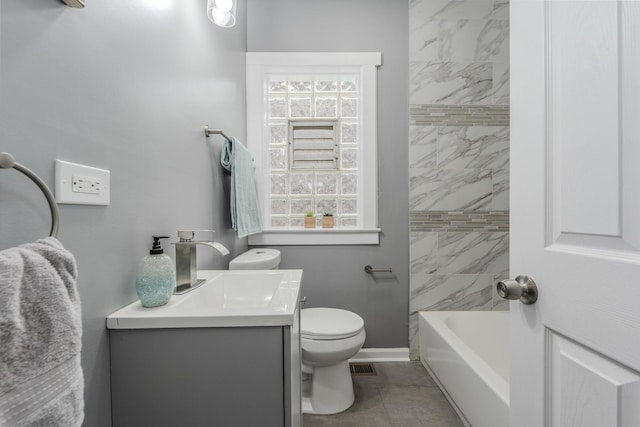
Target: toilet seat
<point x="329" y="324"/>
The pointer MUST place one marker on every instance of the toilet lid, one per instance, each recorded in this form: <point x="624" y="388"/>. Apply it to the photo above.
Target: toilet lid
<point x="329" y="323"/>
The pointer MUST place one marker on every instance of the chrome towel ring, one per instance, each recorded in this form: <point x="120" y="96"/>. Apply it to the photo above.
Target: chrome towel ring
<point x="7" y="162"/>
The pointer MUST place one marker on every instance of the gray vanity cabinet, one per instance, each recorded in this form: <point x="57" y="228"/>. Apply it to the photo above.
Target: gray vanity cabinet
<point x="192" y="377"/>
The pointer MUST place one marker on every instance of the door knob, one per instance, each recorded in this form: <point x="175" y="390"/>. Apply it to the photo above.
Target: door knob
<point x="523" y="288"/>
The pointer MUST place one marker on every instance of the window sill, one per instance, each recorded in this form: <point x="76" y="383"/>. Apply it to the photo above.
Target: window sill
<point x="316" y="236"/>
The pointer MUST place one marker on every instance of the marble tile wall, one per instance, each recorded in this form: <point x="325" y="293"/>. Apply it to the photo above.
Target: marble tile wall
<point x="458" y="155"/>
<point x="459" y="52"/>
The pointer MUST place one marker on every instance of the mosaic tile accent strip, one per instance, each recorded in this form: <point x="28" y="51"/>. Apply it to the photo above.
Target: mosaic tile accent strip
<point x="460" y="221"/>
<point x="459" y="115"/>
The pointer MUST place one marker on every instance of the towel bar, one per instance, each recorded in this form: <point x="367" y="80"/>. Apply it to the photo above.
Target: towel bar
<point x="7" y="162"/>
<point x="208" y="132"/>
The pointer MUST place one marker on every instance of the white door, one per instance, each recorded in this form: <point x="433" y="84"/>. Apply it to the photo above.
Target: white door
<point x="575" y="206"/>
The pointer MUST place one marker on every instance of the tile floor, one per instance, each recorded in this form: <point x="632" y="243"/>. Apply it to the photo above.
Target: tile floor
<point x="401" y="395"/>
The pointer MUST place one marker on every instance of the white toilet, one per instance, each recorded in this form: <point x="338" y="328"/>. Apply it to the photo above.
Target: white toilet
<point x="329" y="336"/>
<point x="256" y="259"/>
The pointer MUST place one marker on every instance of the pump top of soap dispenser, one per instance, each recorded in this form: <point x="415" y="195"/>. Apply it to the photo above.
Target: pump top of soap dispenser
<point x="156" y="249"/>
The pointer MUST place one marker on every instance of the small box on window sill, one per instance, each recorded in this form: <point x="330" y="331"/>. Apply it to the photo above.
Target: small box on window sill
<point x="327" y="221"/>
<point x="309" y="222"/>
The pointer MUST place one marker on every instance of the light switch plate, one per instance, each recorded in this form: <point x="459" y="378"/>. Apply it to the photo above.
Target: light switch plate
<point x="81" y="185"/>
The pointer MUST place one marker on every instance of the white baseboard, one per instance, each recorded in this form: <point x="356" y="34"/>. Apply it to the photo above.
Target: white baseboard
<point x="381" y="355"/>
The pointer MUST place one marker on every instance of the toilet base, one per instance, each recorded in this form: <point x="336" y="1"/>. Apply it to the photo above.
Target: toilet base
<point x="330" y="391"/>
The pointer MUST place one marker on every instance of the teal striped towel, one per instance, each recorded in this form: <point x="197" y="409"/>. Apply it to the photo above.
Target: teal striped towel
<point x="245" y="214"/>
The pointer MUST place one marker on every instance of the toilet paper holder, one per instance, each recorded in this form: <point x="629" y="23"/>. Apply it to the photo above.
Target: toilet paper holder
<point x="369" y="269"/>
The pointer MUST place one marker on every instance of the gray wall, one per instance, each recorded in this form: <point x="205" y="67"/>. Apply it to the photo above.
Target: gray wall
<point x="124" y="86"/>
<point x="333" y="275"/>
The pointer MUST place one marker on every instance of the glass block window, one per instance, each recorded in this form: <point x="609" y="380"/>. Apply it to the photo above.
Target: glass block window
<point x="312" y="131"/>
<point x="313" y="149"/>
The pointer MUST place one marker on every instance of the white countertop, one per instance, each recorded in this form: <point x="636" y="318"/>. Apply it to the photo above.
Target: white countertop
<point x="228" y="298"/>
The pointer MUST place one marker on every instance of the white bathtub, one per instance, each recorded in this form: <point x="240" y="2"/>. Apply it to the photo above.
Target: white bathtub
<point x="467" y="353"/>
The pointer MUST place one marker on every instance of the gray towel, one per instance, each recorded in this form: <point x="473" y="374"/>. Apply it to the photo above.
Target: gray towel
<point x="41" y="381"/>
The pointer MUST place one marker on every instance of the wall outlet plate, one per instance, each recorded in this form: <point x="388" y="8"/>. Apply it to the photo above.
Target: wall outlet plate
<point x="81" y="185"/>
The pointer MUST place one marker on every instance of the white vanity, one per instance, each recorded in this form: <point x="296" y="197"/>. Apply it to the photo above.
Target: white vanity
<point x="227" y="354"/>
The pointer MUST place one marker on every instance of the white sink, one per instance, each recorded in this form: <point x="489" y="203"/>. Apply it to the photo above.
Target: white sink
<point x="227" y="298"/>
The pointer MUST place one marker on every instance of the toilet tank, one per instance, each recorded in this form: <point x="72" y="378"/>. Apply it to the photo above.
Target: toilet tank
<point x="256" y="259"/>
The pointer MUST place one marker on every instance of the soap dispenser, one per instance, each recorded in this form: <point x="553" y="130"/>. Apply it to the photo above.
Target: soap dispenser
<point x="156" y="277"/>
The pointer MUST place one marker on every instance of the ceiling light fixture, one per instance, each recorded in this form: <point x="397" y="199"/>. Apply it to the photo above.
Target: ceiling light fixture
<point x="222" y="12"/>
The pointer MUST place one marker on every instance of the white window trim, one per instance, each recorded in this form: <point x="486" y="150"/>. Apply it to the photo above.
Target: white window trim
<point x="259" y="66"/>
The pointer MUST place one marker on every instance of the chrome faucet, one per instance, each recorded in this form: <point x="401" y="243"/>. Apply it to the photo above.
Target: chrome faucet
<point x="186" y="270"/>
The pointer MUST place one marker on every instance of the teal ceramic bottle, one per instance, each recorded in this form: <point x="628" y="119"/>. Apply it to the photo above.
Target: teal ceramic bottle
<point x="156" y="277"/>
